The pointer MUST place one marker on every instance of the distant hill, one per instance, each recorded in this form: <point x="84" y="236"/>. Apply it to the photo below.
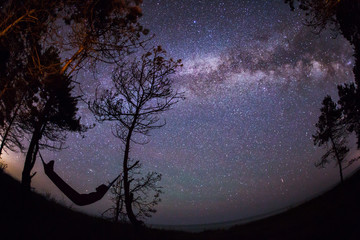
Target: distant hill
<point x="333" y="215"/>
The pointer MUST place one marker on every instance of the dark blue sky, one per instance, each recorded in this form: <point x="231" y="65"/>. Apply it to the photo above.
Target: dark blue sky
<point x="241" y="143"/>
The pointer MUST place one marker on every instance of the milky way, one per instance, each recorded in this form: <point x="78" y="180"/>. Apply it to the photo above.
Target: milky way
<point x="241" y="144"/>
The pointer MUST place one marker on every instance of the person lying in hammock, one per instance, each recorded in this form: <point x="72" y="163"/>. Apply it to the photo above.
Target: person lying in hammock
<point x="75" y="197"/>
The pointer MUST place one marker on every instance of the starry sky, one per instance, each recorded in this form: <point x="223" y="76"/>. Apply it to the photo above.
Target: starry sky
<point x="240" y="144"/>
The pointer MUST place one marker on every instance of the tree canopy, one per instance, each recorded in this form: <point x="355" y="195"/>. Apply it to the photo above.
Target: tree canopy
<point x="50" y="109"/>
<point x="43" y="45"/>
<point x="331" y="133"/>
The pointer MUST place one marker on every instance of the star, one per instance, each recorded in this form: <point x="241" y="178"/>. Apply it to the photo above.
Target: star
<point x="254" y="77"/>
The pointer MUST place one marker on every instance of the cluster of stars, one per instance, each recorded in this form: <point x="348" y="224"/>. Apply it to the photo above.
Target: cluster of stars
<point x="240" y="145"/>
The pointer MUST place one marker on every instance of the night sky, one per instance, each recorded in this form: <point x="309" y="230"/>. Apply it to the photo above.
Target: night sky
<point x="241" y="144"/>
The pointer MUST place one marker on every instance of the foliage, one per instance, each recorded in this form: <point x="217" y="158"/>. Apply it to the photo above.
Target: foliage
<point x="50" y="101"/>
<point x="340" y="15"/>
<point x="349" y="98"/>
<point x="36" y="83"/>
<point x="83" y="31"/>
<point x="343" y="17"/>
<point x="331" y="133"/>
<point x="52" y="110"/>
<point x="320" y="13"/>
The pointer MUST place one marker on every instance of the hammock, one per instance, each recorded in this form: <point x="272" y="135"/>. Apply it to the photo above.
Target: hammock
<point x="75" y="197"/>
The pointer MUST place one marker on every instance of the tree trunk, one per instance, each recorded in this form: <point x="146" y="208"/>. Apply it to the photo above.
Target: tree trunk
<point x="119" y="200"/>
<point x="356" y="68"/>
<point x="34" y="148"/>
<point x="341" y="173"/>
<point x="128" y="198"/>
<point x="30" y="159"/>
<point x="117" y="209"/>
<point x="338" y="159"/>
<point x="6" y="135"/>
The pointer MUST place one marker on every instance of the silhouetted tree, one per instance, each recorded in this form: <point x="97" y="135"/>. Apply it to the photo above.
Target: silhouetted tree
<point x="349" y="98"/>
<point x="142" y="90"/>
<point x="14" y="54"/>
<point x="117" y="210"/>
<point x="20" y="32"/>
<point x="144" y="190"/>
<point x="52" y="110"/>
<point x="342" y="16"/>
<point x="11" y="133"/>
<point x="331" y="133"/>
<point x="320" y="13"/>
<point x="90" y="31"/>
<point x="84" y="31"/>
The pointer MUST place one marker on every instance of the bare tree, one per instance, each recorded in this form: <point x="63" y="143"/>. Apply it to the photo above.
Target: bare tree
<point x="142" y="90"/>
<point x="117" y="210"/>
<point x="144" y="191"/>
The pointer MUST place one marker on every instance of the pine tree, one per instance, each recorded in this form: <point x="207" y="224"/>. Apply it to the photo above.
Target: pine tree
<point x="331" y="133"/>
<point x="51" y="110"/>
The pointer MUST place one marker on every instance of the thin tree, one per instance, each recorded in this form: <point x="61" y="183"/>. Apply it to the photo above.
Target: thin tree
<point x="144" y="190"/>
<point x="117" y="210"/>
<point x="331" y="133"/>
<point x="11" y="133"/>
<point x="142" y="90"/>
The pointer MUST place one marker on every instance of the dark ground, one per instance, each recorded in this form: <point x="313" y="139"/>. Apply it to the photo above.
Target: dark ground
<point x="334" y="215"/>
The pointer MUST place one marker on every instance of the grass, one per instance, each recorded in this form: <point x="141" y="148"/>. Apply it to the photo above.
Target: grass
<point x="333" y="215"/>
